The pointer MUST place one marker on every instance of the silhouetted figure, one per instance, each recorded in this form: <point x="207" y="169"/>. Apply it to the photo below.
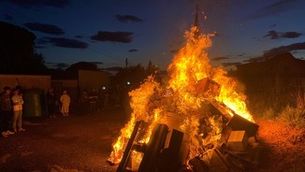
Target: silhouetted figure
<point x="5" y="112"/>
<point x="51" y="101"/>
<point x="84" y="102"/>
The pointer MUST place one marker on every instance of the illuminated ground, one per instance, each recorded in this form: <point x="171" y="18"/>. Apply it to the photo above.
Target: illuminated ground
<point x="82" y="143"/>
<point x="78" y="143"/>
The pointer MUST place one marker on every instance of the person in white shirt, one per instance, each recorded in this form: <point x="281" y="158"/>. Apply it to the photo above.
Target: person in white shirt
<point x="65" y="103"/>
<point x="17" y="109"/>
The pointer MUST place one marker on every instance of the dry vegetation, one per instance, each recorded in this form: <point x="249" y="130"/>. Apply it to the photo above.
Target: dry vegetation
<point x="283" y="134"/>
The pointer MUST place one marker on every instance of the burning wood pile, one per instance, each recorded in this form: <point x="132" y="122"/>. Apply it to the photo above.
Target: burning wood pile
<point x="197" y="121"/>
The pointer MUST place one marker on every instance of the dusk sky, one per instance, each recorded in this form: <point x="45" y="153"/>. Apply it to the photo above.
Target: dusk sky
<point x="109" y="31"/>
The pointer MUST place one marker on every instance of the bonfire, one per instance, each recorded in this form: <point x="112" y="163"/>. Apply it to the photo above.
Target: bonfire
<point x="189" y="112"/>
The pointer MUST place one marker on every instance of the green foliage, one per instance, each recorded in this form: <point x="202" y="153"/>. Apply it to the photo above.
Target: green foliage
<point x="293" y="116"/>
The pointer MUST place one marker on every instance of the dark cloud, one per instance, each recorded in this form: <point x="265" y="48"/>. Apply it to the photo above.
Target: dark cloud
<point x="276" y="51"/>
<point x="79" y="36"/>
<point x="285" y="49"/>
<point x="133" y="50"/>
<point x="291" y="34"/>
<point x="45" y="28"/>
<point x="231" y="64"/>
<point x="275" y="8"/>
<point x="128" y="18"/>
<point x="220" y="58"/>
<point x="276" y="35"/>
<point x="40" y="3"/>
<point x="63" y="42"/>
<point x="272" y="35"/>
<point x="123" y="37"/>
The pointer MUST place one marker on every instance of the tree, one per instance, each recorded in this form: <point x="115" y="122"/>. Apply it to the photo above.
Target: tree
<point x="17" y="51"/>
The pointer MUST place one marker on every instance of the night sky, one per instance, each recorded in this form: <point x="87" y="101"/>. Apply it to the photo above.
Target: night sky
<point x="109" y="31"/>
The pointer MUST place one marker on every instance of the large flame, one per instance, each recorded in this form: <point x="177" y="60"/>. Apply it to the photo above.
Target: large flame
<point x="182" y="98"/>
<point x="139" y="104"/>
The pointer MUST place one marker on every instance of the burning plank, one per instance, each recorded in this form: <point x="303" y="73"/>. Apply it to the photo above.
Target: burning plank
<point x="237" y="141"/>
<point x="239" y="123"/>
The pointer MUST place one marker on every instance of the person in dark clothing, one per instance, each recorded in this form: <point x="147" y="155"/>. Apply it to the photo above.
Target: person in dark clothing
<point x="6" y="112"/>
<point x="51" y="102"/>
<point x="84" y="102"/>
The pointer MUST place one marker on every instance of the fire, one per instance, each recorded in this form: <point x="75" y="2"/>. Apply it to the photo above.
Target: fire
<point x="180" y="102"/>
<point x="139" y="103"/>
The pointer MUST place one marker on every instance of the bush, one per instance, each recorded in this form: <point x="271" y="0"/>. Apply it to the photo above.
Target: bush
<point x="269" y="114"/>
<point x="293" y="116"/>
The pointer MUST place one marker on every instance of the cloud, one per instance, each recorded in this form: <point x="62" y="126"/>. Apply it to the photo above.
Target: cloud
<point x="128" y="18"/>
<point x="275" y="8"/>
<point x="123" y="37"/>
<point x="272" y="34"/>
<point x="78" y="36"/>
<point x="133" y="50"/>
<point x="231" y="64"/>
<point x="45" y="28"/>
<point x="285" y="49"/>
<point x="220" y="58"/>
<point x="291" y="34"/>
<point x="40" y="3"/>
<point x="63" y="42"/>
<point x="276" y="51"/>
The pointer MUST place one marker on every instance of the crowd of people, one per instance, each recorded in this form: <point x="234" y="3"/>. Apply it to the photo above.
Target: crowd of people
<point x="11" y="108"/>
<point x="12" y="105"/>
<point x="54" y="103"/>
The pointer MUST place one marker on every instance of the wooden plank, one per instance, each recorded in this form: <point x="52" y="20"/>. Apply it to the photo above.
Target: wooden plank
<point x="127" y="152"/>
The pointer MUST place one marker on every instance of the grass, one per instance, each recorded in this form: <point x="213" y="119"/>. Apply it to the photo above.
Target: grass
<point x="294" y="116"/>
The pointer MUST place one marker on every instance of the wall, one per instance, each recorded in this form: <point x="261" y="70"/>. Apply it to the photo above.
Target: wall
<point x="92" y="79"/>
<point x="26" y="81"/>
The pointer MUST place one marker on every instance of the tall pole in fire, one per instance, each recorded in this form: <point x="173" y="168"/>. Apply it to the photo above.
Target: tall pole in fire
<point x="197" y="19"/>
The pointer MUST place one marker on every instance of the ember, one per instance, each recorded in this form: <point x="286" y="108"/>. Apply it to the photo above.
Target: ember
<point x="184" y="123"/>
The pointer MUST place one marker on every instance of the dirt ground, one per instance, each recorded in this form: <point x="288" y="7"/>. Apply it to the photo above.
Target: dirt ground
<point x="76" y="143"/>
<point x="284" y="147"/>
<point x="83" y="143"/>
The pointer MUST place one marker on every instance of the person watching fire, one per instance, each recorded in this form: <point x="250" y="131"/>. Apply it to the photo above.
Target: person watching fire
<point x="17" y="108"/>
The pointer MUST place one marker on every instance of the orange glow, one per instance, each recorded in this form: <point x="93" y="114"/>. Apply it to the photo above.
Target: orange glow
<point x="139" y="103"/>
<point x="179" y="103"/>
